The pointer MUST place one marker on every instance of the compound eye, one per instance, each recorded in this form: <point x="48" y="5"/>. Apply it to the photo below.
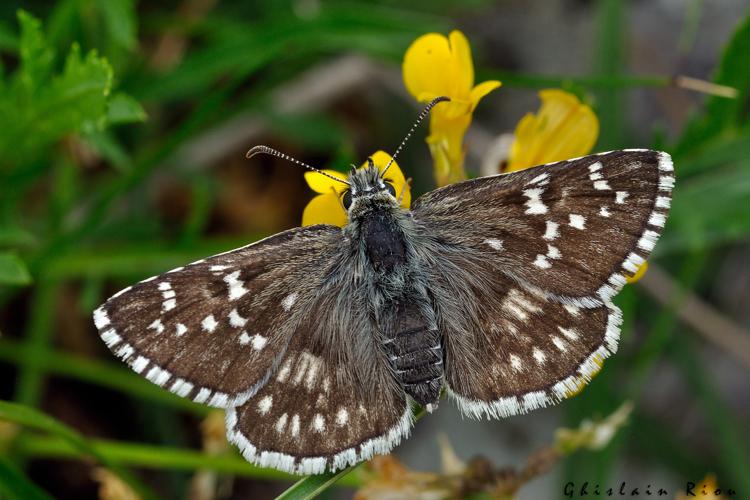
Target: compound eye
<point x="347" y="199"/>
<point x="389" y="187"/>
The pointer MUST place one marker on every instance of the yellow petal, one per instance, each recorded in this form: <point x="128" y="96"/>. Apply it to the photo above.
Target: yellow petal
<point x="322" y="184"/>
<point x="325" y="209"/>
<point x="425" y="66"/>
<point x="394" y="175"/>
<point x="563" y="128"/>
<point x="482" y="90"/>
<point x="463" y="66"/>
<point x="638" y="273"/>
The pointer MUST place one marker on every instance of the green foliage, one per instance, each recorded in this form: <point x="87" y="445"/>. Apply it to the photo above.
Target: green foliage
<point x="12" y="270"/>
<point x="15" y="486"/>
<point x="39" y="106"/>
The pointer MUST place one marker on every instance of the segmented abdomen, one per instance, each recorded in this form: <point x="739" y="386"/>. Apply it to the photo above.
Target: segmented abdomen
<point x="416" y="356"/>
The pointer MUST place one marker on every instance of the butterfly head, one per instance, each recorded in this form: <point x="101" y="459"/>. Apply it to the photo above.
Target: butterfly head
<point x="368" y="184"/>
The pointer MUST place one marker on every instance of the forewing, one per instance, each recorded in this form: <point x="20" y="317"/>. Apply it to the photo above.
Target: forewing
<point x="325" y="407"/>
<point x="571" y="229"/>
<point x="525" y="350"/>
<point x="215" y="329"/>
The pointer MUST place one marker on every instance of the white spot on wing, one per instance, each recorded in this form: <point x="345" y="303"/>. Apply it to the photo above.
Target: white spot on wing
<point x="169" y="304"/>
<point x="264" y="405"/>
<point x="620" y="197"/>
<point x="553" y="252"/>
<point x="209" y="323"/>
<point x="259" y="342"/>
<point x="295" y="425"/>
<point x="604" y="212"/>
<point x="539" y="356"/>
<point x="236" y="320"/>
<point x="534" y="203"/>
<point x="289" y="301"/>
<point x="595" y="166"/>
<point x="601" y="186"/>
<point x="342" y="417"/>
<point x="568" y="332"/>
<point x="100" y="318"/>
<point x="551" y="232"/>
<point x="157" y="325"/>
<point x="111" y="338"/>
<point x="180" y="329"/>
<point x="559" y="343"/>
<point x="573" y="310"/>
<point x="496" y="244"/>
<point x="319" y="423"/>
<point x="657" y="219"/>
<point x="663" y="202"/>
<point x="540" y="179"/>
<point x="577" y="221"/>
<point x="139" y="364"/>
<point x="281" y="423"/>
<point x="202" y="395"/>
<point x="515" y="362"/>
<point x="245" y="338"/>
<point x="542" y="262"/>
<point x="236" y="285"/>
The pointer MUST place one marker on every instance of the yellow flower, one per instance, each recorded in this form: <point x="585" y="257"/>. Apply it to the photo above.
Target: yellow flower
<point x="563" y="128"/>
<point x="327" y="207"/>
<point x="438" y="66"/>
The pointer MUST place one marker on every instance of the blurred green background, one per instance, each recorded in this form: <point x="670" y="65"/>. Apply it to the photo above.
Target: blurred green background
<point x="123" y="127"/>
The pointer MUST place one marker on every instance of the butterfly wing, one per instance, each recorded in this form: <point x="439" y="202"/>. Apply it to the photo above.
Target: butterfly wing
<point x="215" y="329"/>
<point x="278" y="334"/>
<point x="526" y="268"/>
<point x="529" y="351"/>
<point x="571" y="228"/>
<point x="315" y="415"/>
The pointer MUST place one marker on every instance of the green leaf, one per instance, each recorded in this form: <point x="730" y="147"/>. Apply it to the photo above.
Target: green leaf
<point x="14" y="236"/>
<point x="119" y="18"/>
<point x="36" y="57"/>
<point x="109" y="375"/>
<point x="34" y="419"/>
<point x="722" y="116"/>
<point x="14" y="485"/>
<point x="8" y="39"/>
<point x="12" y="270"/>
<point x="312" y="486"/>
<point x="708" y="210"/>
<point x="122" y="108"/>
<point x="38" y="108"/>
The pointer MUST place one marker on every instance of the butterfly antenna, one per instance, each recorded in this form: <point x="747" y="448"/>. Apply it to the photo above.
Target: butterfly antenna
<point x="270" y="151"/>
<point x="422" y="115"/>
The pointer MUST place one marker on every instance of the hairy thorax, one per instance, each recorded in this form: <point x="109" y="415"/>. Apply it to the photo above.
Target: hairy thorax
<point x="410" y="338"/>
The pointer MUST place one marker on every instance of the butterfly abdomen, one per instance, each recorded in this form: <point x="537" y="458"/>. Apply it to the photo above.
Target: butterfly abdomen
<point x="415" y="353"/>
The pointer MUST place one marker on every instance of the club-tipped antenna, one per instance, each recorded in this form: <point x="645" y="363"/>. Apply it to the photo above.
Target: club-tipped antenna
<point x="421" y="117"/>
<point x="270" y="151"/>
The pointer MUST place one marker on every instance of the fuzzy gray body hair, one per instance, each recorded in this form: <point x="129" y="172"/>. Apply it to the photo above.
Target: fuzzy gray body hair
<point x="398" y="301"/>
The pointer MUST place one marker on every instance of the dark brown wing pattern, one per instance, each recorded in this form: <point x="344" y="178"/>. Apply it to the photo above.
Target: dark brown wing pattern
<point x="542" y="253"/>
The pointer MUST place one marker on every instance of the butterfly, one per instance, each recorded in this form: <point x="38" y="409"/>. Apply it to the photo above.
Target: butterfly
<point x="318" y="340"/>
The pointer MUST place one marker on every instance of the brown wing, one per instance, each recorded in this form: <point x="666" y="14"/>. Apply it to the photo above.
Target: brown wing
<point x="527" y="351"/>
<point x="215" y="329"/>
<point x="570" y="228"/>
<point x="316" y="415"/>
<point x="523" y="268"/>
